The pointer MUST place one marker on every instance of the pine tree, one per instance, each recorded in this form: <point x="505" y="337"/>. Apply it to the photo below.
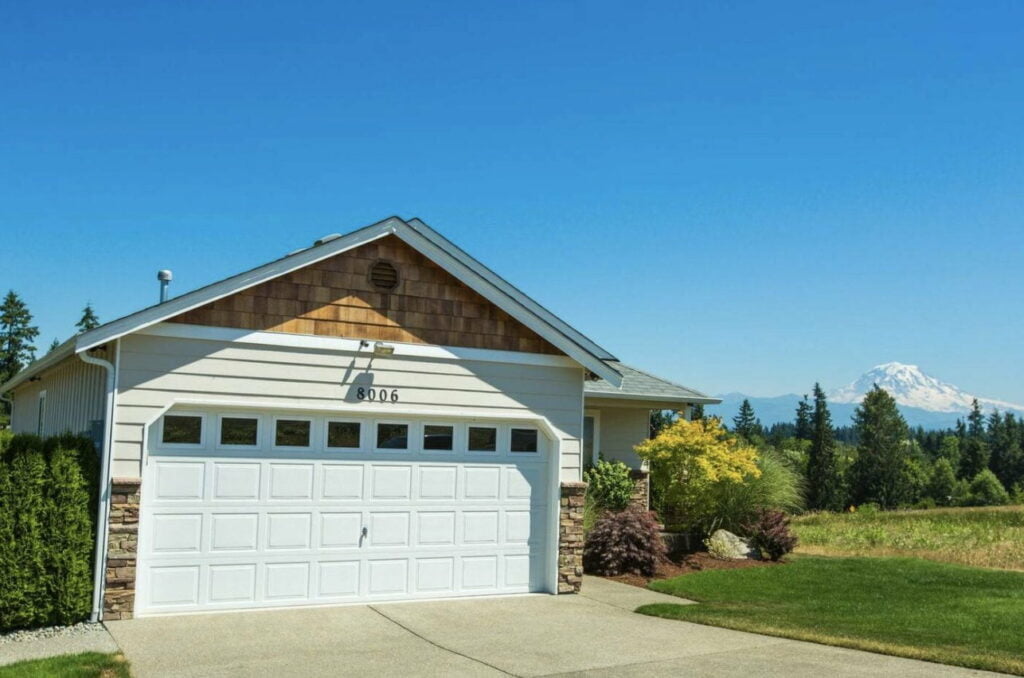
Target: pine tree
<point x="803" y="420"/>
<point x="745" y="423"/>
<point x="974" y="450"/>
<point x="824" y="486"/>
<point x="1007" y="460"/>
<point x="53" y="346"/>
<point x="880" y="472"/>
<point x="697" y="412"/>
<point x="89" y="319"/>
<point x="17" y="334"/>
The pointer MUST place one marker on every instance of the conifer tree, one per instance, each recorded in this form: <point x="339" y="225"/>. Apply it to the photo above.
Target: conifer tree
<point x="17" y="334"/>
<point x="880" y="472"/>
<point x="745" y="423"/>
<point x="1007" y="460"/>
<point x="53" y="346"/>
<point x="697" y="412"/>
<point x="974" y="450"/>
<point x="942" y="483"/>
<point x="803" y="420"/>
<point x="824" y="486"/>
<point x="89" y="319"/>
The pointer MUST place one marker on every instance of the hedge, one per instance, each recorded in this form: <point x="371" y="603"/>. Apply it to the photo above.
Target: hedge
<point x="48" y="494"/>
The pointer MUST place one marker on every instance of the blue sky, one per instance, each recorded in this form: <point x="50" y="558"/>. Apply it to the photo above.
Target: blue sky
<point x="738" y="196"/>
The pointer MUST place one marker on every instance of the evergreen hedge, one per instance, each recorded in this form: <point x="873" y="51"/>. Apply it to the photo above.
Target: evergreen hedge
<point x="48" y="494"/>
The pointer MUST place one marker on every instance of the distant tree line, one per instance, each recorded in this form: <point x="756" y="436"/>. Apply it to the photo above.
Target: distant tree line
<point x="880" y="460"/>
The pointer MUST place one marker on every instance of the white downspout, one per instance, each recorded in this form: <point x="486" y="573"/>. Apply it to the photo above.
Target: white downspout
<point x="103" y="507"/>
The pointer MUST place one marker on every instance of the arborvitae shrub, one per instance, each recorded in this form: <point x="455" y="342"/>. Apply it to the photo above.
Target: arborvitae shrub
<point x="626" y="541"/>
<point x="29" y="603"/>
<point x="47" y="520"/>
<point x="70" y="538"/>
<point x="769" y="533"/>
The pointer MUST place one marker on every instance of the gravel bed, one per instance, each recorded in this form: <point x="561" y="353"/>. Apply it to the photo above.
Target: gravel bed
<point x="47" y="632"/>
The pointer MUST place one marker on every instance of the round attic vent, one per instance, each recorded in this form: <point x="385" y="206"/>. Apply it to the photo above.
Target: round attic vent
<point x="384" y="276"/>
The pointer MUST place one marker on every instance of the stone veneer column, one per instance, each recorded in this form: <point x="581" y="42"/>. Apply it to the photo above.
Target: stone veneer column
<point x="122" y="547"/>
<point x="570" y="538"/>
<point x="641" y="497"/>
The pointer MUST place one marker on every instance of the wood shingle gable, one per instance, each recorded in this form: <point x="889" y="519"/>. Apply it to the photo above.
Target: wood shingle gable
<point x="335" y="297"/>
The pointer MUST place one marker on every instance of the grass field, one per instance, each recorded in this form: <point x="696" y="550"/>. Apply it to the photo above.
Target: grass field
<point x="85" y="665"/>
<point x="901" y="606"/>
<point x="982" y="537"/>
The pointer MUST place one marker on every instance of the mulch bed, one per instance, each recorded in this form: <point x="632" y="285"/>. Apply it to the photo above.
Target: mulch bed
<point x="689" y="564"/>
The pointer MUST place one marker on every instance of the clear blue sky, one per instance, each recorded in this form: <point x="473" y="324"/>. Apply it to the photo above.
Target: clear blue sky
<point x="738" y="196"/>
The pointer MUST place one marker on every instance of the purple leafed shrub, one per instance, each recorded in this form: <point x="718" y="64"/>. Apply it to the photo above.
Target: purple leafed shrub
<point x="626" y="541"/>
<point x="769" y="533"/>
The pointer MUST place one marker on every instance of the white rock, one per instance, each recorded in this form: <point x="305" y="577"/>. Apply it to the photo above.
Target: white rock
<point x="726" y="545"/>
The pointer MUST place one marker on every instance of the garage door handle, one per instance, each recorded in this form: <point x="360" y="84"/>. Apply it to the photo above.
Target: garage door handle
<point x="364" y="533"/>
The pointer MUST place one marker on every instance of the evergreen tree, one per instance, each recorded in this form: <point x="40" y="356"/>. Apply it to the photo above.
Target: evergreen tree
<point x="949" y="449"/>
<point x="53" y="346"/>
<point x="880" y="472"/>
<point x="745" y="423"/>
<point x="1007" y="460"/>
<point x="974" y="450"/>
<point x="697" y="412"/>
<point x="824" y="485"/>
<point x="17" y="334"/>
<point x="942" y="483"/>
<point x="89" y="319"/>
<point x="803" y="420"/>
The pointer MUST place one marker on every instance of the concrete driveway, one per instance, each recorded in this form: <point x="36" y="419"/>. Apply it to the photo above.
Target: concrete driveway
<point x="594" y="634"/>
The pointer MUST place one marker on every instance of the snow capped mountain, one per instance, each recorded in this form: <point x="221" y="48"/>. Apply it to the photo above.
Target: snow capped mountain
<point x="913" y="388"/>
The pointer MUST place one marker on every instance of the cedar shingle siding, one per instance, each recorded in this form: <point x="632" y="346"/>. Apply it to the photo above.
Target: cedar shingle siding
<point x="336" y="298"/>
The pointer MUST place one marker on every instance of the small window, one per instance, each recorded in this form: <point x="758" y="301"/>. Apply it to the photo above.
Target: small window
<point x="384" y="275"/>
<point x="343" y="434"/>
<point x="524" y="440"/>
<point x="438" y="437"/>
<point x="41" y="415"/>
<point x="180" y="429"/>
<point x="239" y="431"/>
<point x="393" y="436"/>
<point x="483" y="439"/>
<point x="292" y="433"/>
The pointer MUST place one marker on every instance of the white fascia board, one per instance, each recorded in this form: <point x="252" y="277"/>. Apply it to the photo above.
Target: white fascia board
<point x="472" y="278"/>
<point x="508" y="288"/>
<point x="46" y="362"/>
<point x="228" y="286"/>
<point x="339" y="344"/>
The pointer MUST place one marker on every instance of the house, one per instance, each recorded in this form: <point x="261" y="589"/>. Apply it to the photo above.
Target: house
<point x="375" y="417"/>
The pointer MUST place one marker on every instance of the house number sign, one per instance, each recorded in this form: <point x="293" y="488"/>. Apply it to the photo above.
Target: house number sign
<point x="377" y="395"/>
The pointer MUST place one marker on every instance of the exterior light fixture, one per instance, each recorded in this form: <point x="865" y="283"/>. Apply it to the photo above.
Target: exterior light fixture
<point x="381" y="349"/>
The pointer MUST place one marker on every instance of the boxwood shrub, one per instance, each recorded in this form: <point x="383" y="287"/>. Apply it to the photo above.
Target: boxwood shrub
<point x="48" y="493"/>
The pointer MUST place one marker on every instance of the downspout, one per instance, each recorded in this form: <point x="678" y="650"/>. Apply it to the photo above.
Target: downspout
<point x="103" y="506"/>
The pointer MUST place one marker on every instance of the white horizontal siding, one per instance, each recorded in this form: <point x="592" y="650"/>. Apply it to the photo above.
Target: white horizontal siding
<point x="158" y="371"/>
<point x="74" y="399"/>
<point x="621" y="429"/>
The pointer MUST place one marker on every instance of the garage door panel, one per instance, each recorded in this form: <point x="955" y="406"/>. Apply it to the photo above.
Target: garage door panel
<point x="236" y="481"/>
<point x="232" y="530"/>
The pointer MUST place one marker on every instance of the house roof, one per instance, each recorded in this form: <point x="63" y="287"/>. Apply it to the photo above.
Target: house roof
<point x="416" y="234"/>
<point x="639" y="385"/>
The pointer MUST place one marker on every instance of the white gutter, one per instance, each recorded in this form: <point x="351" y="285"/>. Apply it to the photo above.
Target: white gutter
<point x="103" y="505"/>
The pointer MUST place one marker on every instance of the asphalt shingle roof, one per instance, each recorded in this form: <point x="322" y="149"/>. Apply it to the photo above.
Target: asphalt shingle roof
<point x="637" y="384"/>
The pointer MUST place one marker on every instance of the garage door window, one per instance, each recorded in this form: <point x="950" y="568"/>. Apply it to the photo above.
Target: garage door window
<point x="239" y="431"/>
<point x="439" y="437"/>
<point x="392" y="436"/>
<point x="292" y="432"/>
<point x="343" y="434"/>
<point x="483" y="439"/>
<point x="180" y="429"/>
<point x="524" y="440"/>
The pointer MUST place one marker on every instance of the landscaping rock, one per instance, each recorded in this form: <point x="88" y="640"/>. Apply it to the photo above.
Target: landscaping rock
<point x="728" y="546"/>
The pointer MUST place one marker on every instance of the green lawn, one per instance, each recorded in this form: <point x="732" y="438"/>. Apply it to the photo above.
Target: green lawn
<point x="982" y="537"/>
<point x="900" y="606"/>
<point x="85" y="665"/>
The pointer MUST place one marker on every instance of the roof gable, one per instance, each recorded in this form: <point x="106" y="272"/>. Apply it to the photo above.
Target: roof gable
<point x="416" y="234"/>
<point x="335" y="297"/>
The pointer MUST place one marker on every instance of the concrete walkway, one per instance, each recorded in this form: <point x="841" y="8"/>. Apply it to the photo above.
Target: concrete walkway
<point x="94" y="638"/>
<point x="595" y="634"/>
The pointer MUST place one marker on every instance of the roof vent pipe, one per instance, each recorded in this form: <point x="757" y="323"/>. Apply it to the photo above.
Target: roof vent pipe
<point x="165" y="278"/>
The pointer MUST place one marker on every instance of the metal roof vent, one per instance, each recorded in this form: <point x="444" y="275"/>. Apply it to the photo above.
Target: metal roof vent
<point x="384" y="275"/>
<point x="165" y="277"/>
<point x="327" y="238"/>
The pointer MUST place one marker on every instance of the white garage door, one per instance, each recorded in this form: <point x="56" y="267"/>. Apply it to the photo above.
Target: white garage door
<point x="246" y="511"/>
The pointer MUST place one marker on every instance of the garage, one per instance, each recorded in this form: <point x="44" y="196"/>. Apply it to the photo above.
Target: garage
<point x="275" y="509"/>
